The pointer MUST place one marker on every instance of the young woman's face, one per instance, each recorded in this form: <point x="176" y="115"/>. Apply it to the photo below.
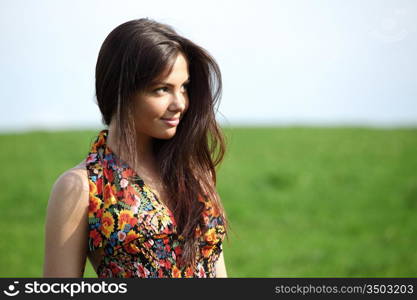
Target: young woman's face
<point x="167" y="99"/>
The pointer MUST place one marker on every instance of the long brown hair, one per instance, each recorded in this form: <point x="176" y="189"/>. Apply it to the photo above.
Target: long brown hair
<point x="132" y="56"/>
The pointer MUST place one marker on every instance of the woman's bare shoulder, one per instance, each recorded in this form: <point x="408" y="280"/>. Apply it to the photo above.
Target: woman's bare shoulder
<point x="71" y="187"/>
<point x="66" y="228"/>
<point x="76" y="177"/>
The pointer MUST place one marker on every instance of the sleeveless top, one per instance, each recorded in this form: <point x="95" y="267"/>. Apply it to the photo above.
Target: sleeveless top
<point x="135" y="229"/>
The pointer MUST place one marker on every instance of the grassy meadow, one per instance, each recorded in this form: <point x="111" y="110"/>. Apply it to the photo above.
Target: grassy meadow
<point x="301" y="201"/>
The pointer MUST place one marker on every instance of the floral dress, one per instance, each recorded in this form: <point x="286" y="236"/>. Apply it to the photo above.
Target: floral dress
<point x="136" y="231"/>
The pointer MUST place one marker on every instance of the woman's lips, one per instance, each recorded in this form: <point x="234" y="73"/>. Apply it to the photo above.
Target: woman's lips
<point x="171" y="122"/>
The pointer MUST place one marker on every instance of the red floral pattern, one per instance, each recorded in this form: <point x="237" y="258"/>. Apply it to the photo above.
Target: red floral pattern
<point x="137" y="231"/>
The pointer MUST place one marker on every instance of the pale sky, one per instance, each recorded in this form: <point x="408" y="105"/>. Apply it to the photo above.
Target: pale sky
<point x="283" y="62"/>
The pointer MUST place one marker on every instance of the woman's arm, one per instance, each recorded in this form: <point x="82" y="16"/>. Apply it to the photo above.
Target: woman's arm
<point x="221" y="267"/>
<point x="66" y="228"/>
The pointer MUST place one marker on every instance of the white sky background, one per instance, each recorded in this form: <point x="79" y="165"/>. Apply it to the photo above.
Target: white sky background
<point x="283" y="62"/>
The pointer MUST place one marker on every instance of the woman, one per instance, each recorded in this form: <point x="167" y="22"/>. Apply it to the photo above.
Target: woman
<point x="144" y="203"/>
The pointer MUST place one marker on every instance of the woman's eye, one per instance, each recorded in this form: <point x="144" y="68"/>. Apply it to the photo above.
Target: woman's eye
<point x="160" y="89"/>
<point x="185" y="86"/>
<point x="165" y="89"/>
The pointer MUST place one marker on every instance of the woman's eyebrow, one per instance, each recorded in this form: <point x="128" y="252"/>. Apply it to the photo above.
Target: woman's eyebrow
<point x="170" y="84"/>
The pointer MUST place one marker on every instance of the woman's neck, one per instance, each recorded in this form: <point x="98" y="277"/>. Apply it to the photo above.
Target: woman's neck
<point x="145" y="156"/>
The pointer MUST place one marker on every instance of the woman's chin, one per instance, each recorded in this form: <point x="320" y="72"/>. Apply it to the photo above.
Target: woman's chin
<point x="168" y="134"/>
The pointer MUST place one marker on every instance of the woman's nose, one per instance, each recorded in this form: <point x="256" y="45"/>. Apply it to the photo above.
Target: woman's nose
<point x="179" y="101"/>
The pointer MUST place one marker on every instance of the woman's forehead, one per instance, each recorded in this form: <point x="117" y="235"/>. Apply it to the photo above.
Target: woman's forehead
<point x="177" y="71"/>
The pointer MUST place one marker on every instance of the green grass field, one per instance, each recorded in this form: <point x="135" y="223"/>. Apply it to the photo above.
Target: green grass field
<point x="302" y="202"/>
